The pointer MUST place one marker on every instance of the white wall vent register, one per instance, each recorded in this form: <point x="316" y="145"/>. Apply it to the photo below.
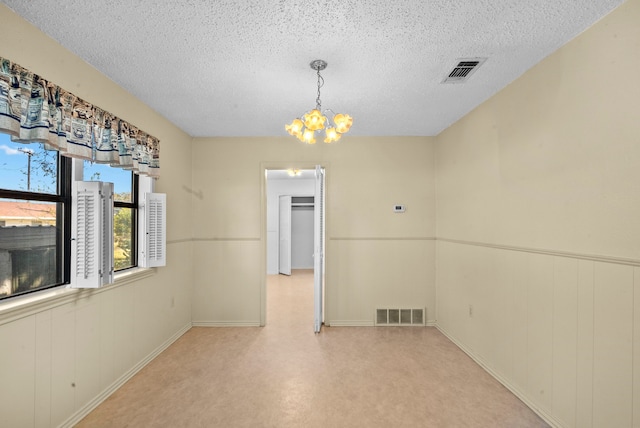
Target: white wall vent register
<point x="400" y="317"/>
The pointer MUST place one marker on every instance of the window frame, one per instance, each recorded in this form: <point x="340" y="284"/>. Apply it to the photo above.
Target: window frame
<point x="62" y="199"/>
<point x="69" y="171"/>
<point x="135" y="212"/>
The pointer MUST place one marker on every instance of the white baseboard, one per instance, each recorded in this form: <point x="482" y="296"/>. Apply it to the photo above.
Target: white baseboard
<point x="87" y="408"/>
<point x="507" y="384"/>
<point x="365" y="323"/>
<point x="350" y="323"/>
<point x="226" y="323"/>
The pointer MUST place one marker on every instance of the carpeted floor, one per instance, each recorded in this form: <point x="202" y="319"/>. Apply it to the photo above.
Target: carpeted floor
<point x="284" y="375"/>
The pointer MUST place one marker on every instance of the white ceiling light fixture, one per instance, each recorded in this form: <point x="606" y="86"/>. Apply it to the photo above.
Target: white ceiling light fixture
<point x="305" y="128"/>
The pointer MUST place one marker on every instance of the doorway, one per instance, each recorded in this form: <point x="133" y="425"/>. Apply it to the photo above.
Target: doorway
<point x="294" y="229"/>
<point x="295" y="233"/>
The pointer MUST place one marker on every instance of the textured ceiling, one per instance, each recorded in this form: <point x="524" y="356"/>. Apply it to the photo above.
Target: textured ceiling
<point x="241" y="68"/>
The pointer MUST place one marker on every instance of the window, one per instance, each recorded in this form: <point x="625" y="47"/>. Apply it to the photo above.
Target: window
<point x="125" y="212"/>
<point x="40" y="219"/>
<point x="35" y="215"/>
<point x="34" y="222"/>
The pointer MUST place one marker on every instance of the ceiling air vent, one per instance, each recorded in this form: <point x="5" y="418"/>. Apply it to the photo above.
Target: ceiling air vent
<point x="463" y="70"/>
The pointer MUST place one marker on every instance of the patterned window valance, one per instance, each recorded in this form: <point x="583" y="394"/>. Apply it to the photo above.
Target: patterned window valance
<point x="33" y="109"/>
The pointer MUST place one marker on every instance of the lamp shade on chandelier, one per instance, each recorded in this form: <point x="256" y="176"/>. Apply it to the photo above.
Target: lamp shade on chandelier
<point x="316" y="120"/>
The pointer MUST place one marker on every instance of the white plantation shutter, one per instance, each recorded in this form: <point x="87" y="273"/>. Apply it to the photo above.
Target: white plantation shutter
<point x="155" y="230"/>
<point x="106" y="245"/>
<point x="92" y="234"/>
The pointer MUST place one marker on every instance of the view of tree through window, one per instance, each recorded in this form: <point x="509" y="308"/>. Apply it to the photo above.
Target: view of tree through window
<point x="28" y="167"/>
<point x="31" y="218"/>
<point x="124" y="212"/>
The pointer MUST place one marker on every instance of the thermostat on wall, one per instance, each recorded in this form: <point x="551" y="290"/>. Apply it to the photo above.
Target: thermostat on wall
<point x="398" y="208"/>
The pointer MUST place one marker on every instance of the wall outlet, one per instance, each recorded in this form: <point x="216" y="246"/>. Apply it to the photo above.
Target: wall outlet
<point x="173" y="301"/>
<point x="470" y="311"/>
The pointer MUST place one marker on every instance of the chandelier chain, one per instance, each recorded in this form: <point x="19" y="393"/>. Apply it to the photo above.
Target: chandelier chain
<point x="320" y="85"/>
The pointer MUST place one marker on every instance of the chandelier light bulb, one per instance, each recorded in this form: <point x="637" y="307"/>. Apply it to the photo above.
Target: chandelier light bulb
<point x="343" y="122"/>
<point x="309" y="136"/>
<point x="332" y="135"/>
<point x="314" y="120"/>
<point x="295" y="128"/>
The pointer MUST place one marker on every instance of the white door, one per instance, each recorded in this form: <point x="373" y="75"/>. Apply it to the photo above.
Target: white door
<point x="284" y="247"/>
<point x="318" y="255"/>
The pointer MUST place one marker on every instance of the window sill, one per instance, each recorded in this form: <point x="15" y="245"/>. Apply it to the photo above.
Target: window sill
<point x="23" y="306"/>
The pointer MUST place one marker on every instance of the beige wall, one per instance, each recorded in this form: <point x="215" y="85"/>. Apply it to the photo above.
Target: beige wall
<point x="537" y="225"/>
<point x="374" y="257"/>
<point x="94" y="339"/>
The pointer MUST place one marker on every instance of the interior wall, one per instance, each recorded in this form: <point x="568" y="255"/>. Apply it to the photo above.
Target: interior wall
<point x="374" y="257"/>
<point x="60" y="359"/>
<point x="538" y="233"/>
<point x="275" y="188"/>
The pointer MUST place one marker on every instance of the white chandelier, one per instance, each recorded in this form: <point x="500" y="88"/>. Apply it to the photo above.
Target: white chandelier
<point x="315" y="120"/>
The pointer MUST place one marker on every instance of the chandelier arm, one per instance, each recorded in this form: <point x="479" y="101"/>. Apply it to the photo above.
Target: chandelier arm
<point x="333" y="113"/>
